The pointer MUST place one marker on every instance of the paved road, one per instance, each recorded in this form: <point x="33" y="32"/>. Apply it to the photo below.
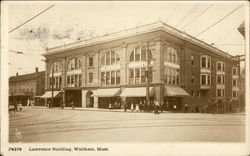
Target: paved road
<point x="55" y="125"/>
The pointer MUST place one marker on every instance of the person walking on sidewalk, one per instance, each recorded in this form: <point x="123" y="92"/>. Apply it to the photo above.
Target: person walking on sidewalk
<point x="175" y="108"/>
<point x="156" y="107"/>
<point x="72" y="104"/>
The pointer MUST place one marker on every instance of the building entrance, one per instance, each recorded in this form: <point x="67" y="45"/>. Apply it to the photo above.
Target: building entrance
<point x="74" y="96"/>
<point x="171" y="101"/>
<point x="89" y="99"/>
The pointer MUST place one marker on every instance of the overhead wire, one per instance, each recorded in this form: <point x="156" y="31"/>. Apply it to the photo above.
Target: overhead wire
<point x="231" y="12"/>
<point x="196" y="17"/>
<point x="187" y="14"/>
<point x="31" y="18"/>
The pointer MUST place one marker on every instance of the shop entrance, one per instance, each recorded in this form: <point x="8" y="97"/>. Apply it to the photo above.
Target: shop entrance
<point x="89" y="99"/>
<point x="103" y="102"/>
<point x="171" y="101"/>
<point x="74" y="96"/>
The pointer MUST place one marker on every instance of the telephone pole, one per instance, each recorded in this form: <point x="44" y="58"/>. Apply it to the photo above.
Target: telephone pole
<point x="147" y="73"/>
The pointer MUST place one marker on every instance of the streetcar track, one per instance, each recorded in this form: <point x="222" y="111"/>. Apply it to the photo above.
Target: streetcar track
<point x="123" y="127"/>
<point x="32" y="116"/>
<point x="45" y="122"/>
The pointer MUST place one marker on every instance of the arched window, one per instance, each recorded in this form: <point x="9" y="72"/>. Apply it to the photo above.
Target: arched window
<point x="140" y="54"/>
<point x="74" y="64"/>
<point x="110" y="58"/>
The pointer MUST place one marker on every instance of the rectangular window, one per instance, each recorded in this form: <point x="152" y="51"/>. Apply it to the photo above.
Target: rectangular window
<point x="103" y="77"/>
<point x="177" y="76"/>
<point x="235" y="71"/>
<point x="143" y="75"/>
<point x="219" y="80"/>
<point x="192" y="78"/>
<point x="107" y="59"/>
<point x="131" y="76"/>
<point x="68" y="80"/>
<point x="203" y="62"/>
<point x="223" y="66"/>
<point x="174" y="75"/>
<point x="112" y="57"/>
<point x="107" y="78"/>
<point x="203" y="79"/>
<point x="72" y="79"/>
<point x="118" y="77"/>
<point x="219" y="66"/>
<point x="91" y="77"/>
<point x="60" y="82"/>
<point x="234" y="94"/>
<point x="91" y="61"/>
<point x="137" y="75"/>
<point x="143" y="54"/>
<point x="219" y="92"/>
<point x="192" y="60"/>
<point x="150" y="74"/>
<point x="192" y="93"/>
<point x="80" y="80"/>
<point x="235" y="83"/>
<point x="112" y="77"/>
<point x="76" y="81"/>
<point x="208" y="79"/>
<point x="169" y="75"/>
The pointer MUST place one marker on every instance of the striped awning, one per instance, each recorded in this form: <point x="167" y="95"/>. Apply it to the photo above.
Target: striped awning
<point x="48" y="94"/>
<point x="175" y="91"/>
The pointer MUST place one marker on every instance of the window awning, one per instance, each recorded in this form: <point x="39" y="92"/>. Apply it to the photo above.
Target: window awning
<point x="137" y="92"/>
<point x="175" y="91"/>
<point x="109" y="92"/>
<point x="48" y="94"/>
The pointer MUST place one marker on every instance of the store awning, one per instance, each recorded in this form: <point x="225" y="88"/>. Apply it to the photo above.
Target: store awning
<point x="137" y="92"/>
<point x="107" y="92"/>
<point x="175" y="91"/>
<point x="48" y="94"/>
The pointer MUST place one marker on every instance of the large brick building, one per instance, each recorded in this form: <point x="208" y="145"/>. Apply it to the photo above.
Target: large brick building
<point x="24" y="87"/>
<point x="113" y="68"/>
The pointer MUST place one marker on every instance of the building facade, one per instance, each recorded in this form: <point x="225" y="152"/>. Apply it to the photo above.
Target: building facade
<point x="114" y="69"/>
<point x="24" y="88"/>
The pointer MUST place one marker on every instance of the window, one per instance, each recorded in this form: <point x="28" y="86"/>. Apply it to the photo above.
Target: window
<point x="131" y="76"/>
<point x="54" y="67"/>
<point x="110" y="58"/>
<point x="220" y="66"/>
<point x="235" y="71"/>
<point x="140" y="54"/>
<point x="235" y="94"/>
<point x="143" y="75"/>
<point x="118" y="77"/>
<point x="171" y="55"/>
<point x="74" y="64"/>
<point x="91" y="61"/>
<point x="112" y="77"/>
<point x="91" y="77"/>
<point x="208" y="79"/>
<point x="192" y="60"/>
<point x="192" y="93"/>
<point x="113" y="57"/>
<point x="203" y="79"/>
<point x="108" y="78"/>
<point x="192" y="78"/>
<point x="220" y="79"/>
<point x="220" y="92"/>
<point x="205" y="61"/>
<point x="171" y="75"/>
<point x="137" y="75"/>
<point x="103" y="77"/>
<point x="234" y="83"/>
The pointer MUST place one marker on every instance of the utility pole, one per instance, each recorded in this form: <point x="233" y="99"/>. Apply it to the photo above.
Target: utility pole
<point x="147" y="74"/>
<point x="52" y="89"/>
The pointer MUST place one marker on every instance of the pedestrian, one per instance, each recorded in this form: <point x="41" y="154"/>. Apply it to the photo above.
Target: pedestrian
<point x="186" y="108"/>
<point x="15" y="107"/>
<point x="125" y="106"/>
<point x="175" y="107"/>
<point x="110" y="106"/>
<point x="137" y="108"/>
<point x="72" y="104"/>
<point x="156" y="107"/>
<point x="132" y="107"/>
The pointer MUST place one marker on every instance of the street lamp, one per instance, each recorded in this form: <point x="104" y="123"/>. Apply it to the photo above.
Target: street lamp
<point x="62" y="93"/>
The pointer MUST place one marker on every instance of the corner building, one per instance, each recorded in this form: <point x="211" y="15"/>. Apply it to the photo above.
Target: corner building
<point x="114" y="68"/>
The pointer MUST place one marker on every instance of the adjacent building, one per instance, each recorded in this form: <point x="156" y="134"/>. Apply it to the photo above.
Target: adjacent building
<point x="24" y="88"/>
<point x="115" y="69"/>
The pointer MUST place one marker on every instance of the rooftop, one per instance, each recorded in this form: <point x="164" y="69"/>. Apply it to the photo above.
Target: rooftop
<point x="159" y="25"/>
<point x="25" y="76"/>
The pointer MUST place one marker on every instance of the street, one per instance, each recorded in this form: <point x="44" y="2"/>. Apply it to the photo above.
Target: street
<point x="56" y="125"/>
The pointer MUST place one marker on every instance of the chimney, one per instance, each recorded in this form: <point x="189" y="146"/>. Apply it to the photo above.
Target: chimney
<point x="16" y="73"/>
<point x="36" y="69"/>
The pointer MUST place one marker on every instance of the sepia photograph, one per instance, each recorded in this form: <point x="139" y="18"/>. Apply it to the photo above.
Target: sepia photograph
<point x="96" y="77"/>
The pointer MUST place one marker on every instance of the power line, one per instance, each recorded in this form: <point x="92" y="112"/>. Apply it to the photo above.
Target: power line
<point x="219" y="20"/>
<point x="171" y="13"/>
<point x="186" y="15"/>
<point x="31" y="18"/>
<point x="230" y="31"/>
<point x="26" y="54"/>
<point x="196" y="17"/>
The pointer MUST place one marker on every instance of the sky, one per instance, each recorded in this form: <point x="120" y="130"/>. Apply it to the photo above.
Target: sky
<point x="67" y="22"/>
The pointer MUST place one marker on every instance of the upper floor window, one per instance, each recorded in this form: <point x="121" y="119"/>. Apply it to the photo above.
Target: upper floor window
<point x="55" y="67"/>
<point x="220" y="66"/>
<point x="192" y="60"/>
<point x="110" y="77"/>
<point x="91" y="77"/>
<point x="110" y="58"/>
<point x="74" y="64"/>
<point x="171" y="55"/>
<point x="205" y="79"/>
<point x="171" y="76"/>
<point x="91" y="61"/>
<point x="235" y="94"/>
<point x="235" y="83"/>
<point x="220" y="79"/>
<point x="139" y="75"/>
<point x="235" y="71"/>
<point x="140" y="54"/>
<point x="220" y="92"/>
<point x="205" y="61"/>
